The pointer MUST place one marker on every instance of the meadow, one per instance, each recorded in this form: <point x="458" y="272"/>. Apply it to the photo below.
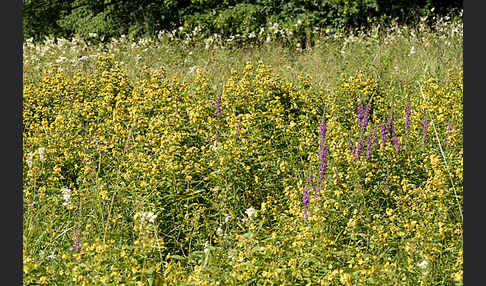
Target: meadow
<point x="255" y="160"/>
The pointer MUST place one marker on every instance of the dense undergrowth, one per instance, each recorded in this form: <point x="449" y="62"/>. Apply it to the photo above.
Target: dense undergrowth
<point x="261" y="180"/>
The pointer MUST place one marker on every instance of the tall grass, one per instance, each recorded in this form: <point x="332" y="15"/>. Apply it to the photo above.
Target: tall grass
<point x="396" y="56"/>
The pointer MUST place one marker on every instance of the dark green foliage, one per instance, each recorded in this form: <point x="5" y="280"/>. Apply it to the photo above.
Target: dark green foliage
<point x="110" y="18"/>
<point x="39" y="17"/>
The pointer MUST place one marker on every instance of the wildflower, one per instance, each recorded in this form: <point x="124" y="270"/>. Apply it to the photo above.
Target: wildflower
<point x="218" y="106"/>
<point x="306" y="204"/>
<point x="150" y="217"/>
<point x="52" y="255"/>
<point x="424" y="265"/>
<point x="408" y="111"/>
<point x="146" y="216"/>
<point x="30" y="159"/>
<point x="368" y="145"/>
<point x="193" y="69"/>
<point x="359" y="148"/>
<point x="77" y="241"/>
<point x="42" y="153"/>
<point x="66" y="194"/>
<point x="426" y="129"/>
<point x="316" y="190"/>
<point x="251" y="212"/>
<point x="394" y="140"/>
<point x="219" y="231"/>
<point x="364" y="121"/>
<point x="206" y="247"/>
<point x="215" y="147"/>
<point x="412" y="50"/>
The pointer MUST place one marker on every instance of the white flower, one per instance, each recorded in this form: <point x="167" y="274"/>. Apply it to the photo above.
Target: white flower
<point x="206" y="247"/>
<point x="52" y="255"/>
<point x="151" y="217"/>
<point x="61" y="60"/>
<point x="226" y="219"/>
<point x="251" y="212"/>
<point x="412" y="50"/>
<point x="66" y="194"/>
<point x="146" y="216"/>
<point x="424" y="265"/>
<point x="30" y="158"/>
<point x="42" y="153"/>
<point x="219" y="231"/>
<point x="193" y="69"/>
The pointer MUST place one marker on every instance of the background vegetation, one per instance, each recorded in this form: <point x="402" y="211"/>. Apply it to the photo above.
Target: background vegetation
<point x="113" y="18"/>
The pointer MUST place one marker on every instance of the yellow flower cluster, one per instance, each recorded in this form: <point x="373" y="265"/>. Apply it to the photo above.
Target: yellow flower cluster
<point x="157" y="173"/>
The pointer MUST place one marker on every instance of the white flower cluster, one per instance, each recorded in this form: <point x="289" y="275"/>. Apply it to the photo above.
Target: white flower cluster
<point x="66" y="194"/>
<point x="424" y="265"/>
<point x="251" y="212"/>
<point x="146" y="216"/>
<point x="41" y="151"/>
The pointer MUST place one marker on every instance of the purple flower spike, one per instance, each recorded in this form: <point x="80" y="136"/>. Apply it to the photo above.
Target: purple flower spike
<point x="368" y="145"/>
<point x="364" y="123"/>
<point x="426" y="129"/>
<point x="306" y="204"/>
<point x="375" y="138"/>
<point x="77" y="241"/>
<point x="218" y="106"/>
<point x="408" y="112"/>
<point x="359" y="148"/>
<point x="323" y="153"/>
<point x="394" y="140"/>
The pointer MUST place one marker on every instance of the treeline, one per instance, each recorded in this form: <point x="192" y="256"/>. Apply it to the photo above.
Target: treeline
<point x="108" y="18"/>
